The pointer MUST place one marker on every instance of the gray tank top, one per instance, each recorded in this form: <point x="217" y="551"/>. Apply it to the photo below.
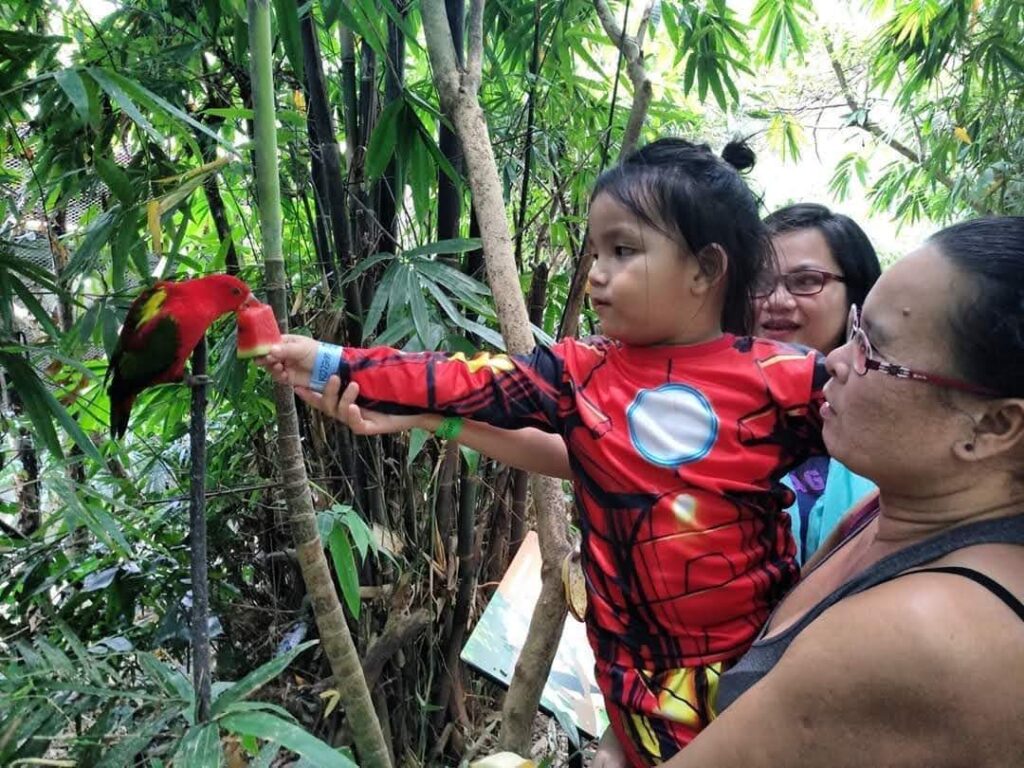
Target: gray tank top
<point x="765" y="654"/>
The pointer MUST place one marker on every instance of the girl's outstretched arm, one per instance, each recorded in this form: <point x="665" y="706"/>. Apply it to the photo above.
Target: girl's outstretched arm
<point x="506" y="391"/>
<point x="528" y="449"/>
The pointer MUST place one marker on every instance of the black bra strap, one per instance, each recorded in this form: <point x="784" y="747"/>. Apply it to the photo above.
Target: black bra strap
<point x="987" y="582"/>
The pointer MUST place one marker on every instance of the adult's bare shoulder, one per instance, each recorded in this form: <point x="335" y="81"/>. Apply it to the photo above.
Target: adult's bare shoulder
<point x="942" y="658"/>
<point x="909" y="673"/>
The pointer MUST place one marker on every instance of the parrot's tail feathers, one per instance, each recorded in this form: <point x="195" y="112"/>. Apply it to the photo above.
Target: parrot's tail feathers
<point x="120" y="410"/>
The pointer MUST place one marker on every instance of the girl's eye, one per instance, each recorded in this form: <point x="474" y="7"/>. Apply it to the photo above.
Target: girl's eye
<point x="624" y="250"/>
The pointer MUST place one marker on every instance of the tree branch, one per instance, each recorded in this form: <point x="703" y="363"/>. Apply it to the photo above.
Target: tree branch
<point x="398" y="633"/>
<point x="878" y="132"/>
<point x="633" y="55"/>
<point x="440" y="47"/>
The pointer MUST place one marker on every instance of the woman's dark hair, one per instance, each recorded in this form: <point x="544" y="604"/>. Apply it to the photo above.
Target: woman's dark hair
<point x="988" y="320"/>
<point x="850" y="247"/>
<point x="689" y="193"/>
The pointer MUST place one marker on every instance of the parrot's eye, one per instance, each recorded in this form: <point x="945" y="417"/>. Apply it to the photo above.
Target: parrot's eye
<point x="236" y="291"/>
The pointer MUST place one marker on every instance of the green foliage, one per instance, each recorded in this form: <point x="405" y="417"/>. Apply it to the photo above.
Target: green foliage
<point x="127" y="136"/>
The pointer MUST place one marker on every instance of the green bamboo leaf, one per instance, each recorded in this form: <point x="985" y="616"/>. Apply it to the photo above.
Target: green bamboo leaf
<point x="395" y="332"/>
<point x="361" y="534"/>
<point x="380" y="299"/>
<point x="124" y="101"/>
<point x="716" y="87"/>
<point x="417" y="439"/>
<point x="126" y="750"/>
<point x="451" y="278"/>
<point x="442" y="300"/>
<point x="42" y="407"/>
<point x="345" y="567"/>
<point x="154" y="102"/>
<point x="171" y="680"/>
<point x="489" y="335"/>
<point x="286" y="12"/>
<point x="400" y="295"/>
<point x="200" y="748"/>
<point x="255" y="680"/>
<point x="435" y="152"/>
<point x="364" y="265"/>
<point x="56" y="658"/>
<point x="115" y="179"/>
<point x="457" y="245"/>
<point x="384" y="139"/>
<point x="74" y="88"/>
<point x="420" y="315"/>
<point x="32" y="304"/>
<point x="96" y="235"/>
<point x="256" y="706"/>
<point x="290" y="736"/>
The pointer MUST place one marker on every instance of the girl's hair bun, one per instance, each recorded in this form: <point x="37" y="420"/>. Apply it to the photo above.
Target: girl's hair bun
<point x="739" y="155"/>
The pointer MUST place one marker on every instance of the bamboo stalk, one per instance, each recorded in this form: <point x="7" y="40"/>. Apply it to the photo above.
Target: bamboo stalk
<point x="336" y="640"/>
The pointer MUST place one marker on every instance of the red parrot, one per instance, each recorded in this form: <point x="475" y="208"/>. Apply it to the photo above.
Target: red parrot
<point x="163" y="326"/>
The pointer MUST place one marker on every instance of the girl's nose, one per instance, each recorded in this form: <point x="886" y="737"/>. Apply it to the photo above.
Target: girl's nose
<point x="598" y="275"/>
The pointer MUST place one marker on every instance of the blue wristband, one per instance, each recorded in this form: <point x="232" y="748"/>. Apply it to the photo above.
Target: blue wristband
<point x="328" y="358"/>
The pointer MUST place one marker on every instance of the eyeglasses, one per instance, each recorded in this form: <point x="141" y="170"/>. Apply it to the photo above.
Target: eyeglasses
<point x="802" y="282"/>
<point x="863" y="361"/>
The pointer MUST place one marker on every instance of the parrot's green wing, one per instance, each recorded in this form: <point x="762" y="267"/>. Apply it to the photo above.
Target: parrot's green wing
<point x="148" y="341"/>
<point x="139" y="364"/>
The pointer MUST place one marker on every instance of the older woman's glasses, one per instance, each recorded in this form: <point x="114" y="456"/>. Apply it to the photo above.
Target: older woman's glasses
<point x="864" y="361"/>
<point x="801" y="282"/>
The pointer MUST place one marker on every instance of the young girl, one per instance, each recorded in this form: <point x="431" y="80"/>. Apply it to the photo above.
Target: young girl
<point x="677" y="431"/>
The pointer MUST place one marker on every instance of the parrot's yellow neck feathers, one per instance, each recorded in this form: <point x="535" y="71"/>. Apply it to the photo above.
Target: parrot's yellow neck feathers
<point x="152" y="305"/>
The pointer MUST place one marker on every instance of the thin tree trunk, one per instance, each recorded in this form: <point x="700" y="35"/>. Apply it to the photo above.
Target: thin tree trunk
<point x="337" y="643"/>
<point x="531" y="99"/>
<point x="469" y="563"/>
<point x="632" y="53"/>
<point x="458" y="88"/>
<point x="389" y="188"/>
<point x="449" y="199"/>
<point x="326" y="160"/>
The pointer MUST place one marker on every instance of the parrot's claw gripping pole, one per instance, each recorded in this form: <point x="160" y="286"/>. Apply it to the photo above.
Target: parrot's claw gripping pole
<point x="197" y="381"/>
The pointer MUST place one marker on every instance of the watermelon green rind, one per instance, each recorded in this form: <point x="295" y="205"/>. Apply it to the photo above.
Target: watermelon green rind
<point x="258" y="351"/>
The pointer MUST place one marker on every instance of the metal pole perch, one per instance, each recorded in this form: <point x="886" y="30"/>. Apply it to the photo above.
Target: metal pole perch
<point x="197" y="535"/>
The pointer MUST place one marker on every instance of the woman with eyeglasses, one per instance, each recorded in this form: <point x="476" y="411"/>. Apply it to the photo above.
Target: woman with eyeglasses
<point x="904" y="645"/>
<point x="824" y="265"/>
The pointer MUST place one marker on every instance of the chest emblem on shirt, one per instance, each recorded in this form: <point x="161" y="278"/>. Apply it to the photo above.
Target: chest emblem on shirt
<point x="672" y="425"/>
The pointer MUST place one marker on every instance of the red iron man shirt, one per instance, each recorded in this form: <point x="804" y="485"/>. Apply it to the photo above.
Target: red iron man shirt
<point x="676" y="453"/>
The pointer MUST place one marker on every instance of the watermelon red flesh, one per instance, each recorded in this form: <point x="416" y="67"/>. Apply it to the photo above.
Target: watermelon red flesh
<point x="257" y="331"/>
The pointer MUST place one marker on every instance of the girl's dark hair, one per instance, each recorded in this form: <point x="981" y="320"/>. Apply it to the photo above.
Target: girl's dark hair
<point x="850" y="247"/>
<point x="988" y="319"/>
<point x="689" y="193"/>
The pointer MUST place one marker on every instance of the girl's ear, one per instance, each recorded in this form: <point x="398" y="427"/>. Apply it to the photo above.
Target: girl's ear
<point x="714" y="264"/>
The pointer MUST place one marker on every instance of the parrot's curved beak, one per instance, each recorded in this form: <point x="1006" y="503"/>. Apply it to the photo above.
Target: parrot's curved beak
<point x="250" y="301"/>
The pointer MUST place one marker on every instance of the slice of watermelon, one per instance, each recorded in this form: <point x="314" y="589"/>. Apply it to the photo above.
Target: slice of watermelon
<point x="257" y="331"/>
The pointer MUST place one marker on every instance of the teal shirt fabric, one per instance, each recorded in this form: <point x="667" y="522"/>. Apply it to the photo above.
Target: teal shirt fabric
<point x="842" y="490"/>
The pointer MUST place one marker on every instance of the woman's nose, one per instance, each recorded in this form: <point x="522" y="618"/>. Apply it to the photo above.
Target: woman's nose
<point x="837" y="362"/>
<point x="598" y="275"/>
<point x="780" y="295"/>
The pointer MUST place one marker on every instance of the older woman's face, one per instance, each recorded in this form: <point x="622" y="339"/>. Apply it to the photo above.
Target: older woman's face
<point x="816" y="321"/>
<point x="891" y="430"/>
